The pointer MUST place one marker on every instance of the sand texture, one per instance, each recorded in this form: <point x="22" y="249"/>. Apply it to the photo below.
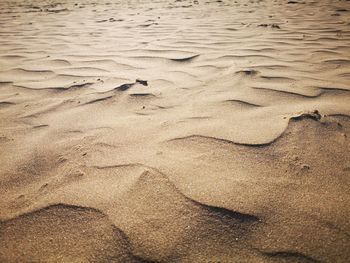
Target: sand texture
<point x="174" y="131"/>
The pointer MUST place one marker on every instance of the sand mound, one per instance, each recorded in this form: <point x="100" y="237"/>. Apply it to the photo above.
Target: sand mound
<point x="63" y="233"/>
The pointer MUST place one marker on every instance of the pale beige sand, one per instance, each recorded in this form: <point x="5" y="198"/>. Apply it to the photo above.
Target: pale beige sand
<point x="175" y="131"/>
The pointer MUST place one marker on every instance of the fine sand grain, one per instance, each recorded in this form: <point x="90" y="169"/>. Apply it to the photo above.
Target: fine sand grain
<point x="174" y="131"/>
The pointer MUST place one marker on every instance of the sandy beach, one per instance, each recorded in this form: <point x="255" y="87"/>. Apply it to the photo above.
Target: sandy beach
<point x="174" y="131"/>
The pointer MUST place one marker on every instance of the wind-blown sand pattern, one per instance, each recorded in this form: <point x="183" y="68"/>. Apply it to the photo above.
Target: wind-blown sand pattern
<point x="175" y="131"/>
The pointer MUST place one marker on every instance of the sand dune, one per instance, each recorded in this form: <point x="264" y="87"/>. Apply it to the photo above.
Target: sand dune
<point x="175" y="131"/>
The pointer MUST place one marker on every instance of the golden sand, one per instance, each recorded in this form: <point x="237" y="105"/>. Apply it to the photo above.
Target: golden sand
<point x="175" y="131"/>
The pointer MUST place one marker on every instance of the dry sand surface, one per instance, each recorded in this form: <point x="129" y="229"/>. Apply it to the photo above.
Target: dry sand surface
<point x="175" y="131"/>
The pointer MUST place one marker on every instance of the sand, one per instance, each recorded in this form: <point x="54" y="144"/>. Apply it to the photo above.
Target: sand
<point x="174" y="131"/>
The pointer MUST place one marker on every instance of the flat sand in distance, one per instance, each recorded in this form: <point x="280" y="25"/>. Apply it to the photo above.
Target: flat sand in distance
<point x="175" y="131"/>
